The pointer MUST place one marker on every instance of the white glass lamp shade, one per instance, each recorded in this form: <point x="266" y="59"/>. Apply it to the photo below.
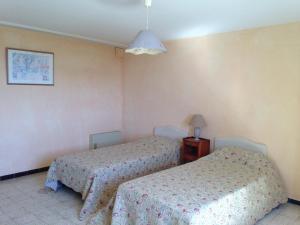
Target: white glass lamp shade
<point x="198" y="121"/>
<point x="146" y="43"/>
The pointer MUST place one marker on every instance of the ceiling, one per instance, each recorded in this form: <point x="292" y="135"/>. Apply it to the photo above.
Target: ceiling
<point x="116" y="22"/>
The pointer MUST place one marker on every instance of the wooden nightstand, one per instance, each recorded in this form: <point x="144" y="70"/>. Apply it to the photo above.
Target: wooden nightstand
<point x="194" y="149"/>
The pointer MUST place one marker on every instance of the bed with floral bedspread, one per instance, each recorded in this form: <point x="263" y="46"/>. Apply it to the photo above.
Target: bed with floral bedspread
<point x="229" y="187"/>
<point x="96" y="174"/>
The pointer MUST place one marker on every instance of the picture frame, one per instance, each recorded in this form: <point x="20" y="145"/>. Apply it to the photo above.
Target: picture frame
<point x="29" y="67"/>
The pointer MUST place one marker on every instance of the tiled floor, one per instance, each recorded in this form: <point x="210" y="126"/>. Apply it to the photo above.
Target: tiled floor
<point x="23" y="203"/>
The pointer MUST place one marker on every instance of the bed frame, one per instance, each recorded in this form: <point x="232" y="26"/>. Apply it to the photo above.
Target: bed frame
<point x="170" y="132"/>
<point x="240" y="142"/>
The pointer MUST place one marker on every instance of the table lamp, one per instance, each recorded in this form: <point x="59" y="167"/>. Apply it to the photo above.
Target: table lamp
<point x="197" y="123"/>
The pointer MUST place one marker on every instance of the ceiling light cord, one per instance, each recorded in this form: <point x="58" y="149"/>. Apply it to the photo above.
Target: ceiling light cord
<point x="147" y="23"/>
<point x="148" y="4"/>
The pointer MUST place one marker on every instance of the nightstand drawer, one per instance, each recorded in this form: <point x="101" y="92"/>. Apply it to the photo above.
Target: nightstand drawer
<point x="189" y="158"/>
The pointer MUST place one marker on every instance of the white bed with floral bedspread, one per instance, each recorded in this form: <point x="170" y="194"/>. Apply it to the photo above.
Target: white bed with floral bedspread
<point x="232" y="186"/>
<point x="96" y="174"/>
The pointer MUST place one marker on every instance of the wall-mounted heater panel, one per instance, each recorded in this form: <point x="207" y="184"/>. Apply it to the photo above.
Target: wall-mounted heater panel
<point x="105" y="139"/>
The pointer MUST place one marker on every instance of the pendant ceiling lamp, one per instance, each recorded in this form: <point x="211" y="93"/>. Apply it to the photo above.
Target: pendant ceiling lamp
<point x="145" y="41"/>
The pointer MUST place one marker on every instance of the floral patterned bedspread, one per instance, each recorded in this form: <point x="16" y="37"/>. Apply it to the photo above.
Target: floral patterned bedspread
<point x="96" y="174"/>
<point x="229" y="187"/>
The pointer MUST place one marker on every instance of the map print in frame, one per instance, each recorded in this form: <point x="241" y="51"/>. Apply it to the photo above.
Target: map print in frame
<point x="29" y="67"/>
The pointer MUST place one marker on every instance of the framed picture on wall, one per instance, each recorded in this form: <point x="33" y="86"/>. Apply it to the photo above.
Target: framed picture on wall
<point x="26" y="67"/>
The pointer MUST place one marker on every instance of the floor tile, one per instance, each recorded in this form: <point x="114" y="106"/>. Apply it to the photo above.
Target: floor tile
<point x="290" y="211"/>
<point x="297" y="221"/>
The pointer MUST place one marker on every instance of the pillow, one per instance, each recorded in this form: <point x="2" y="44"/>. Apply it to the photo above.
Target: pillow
<point x="238" y="155"/>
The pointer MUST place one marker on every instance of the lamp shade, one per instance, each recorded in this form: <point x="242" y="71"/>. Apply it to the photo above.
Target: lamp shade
<point x="198" y="121"/>
<point x="146" y="43"/>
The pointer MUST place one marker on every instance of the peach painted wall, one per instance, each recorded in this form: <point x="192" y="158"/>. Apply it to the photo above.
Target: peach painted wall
<point x="38" y="123"/>
<point x="245" y="83"/>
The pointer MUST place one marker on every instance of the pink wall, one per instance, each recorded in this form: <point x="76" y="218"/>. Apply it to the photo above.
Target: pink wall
<point x="244" y="83"/>
<point x="38" y="123"/>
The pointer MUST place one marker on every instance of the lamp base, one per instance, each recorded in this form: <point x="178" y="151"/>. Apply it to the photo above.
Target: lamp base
<point x="197" y="131"/>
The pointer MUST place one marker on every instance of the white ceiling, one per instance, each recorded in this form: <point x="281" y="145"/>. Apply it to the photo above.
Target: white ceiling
<point x="116" y="22"/>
